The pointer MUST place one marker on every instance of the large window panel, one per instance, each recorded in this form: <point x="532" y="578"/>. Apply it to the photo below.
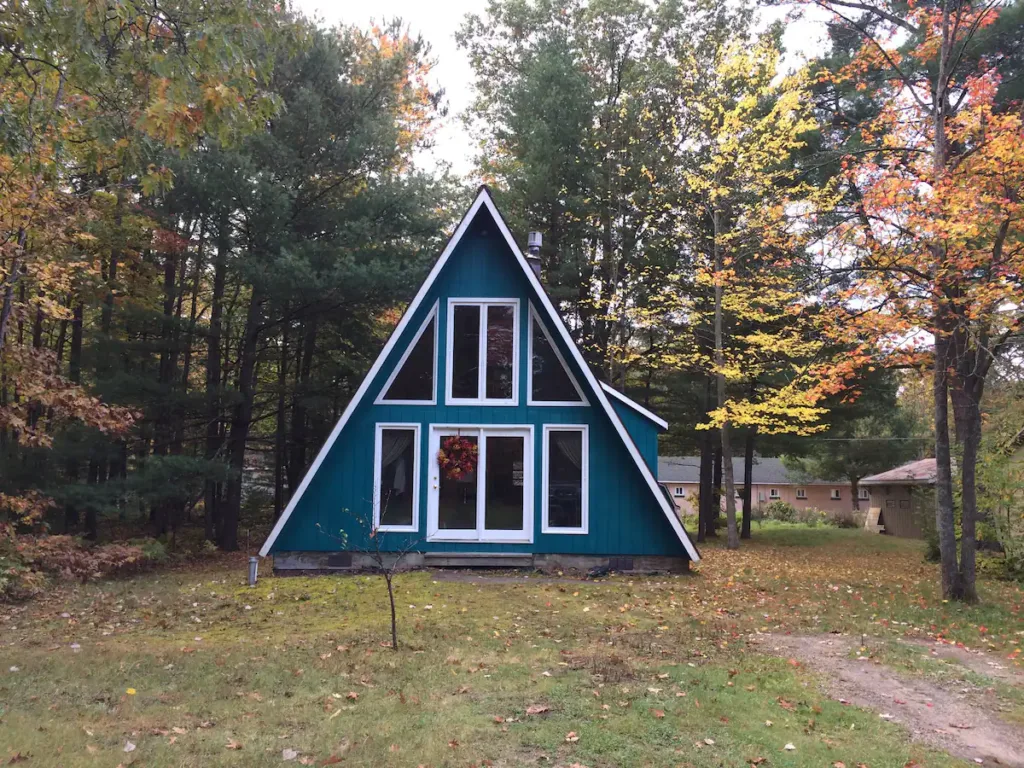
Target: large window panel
<point x="500" y="351"/>
<point x="550" y="382"/>
<point x="414" y="379"/>
<point x="396" y="477"/>
<point x="466" y="351"/>
<point x="481" y="352"/>
<point x="566" y="473"/>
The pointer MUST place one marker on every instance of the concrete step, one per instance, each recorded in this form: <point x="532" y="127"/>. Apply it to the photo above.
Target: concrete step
<point x="478" y="560"/>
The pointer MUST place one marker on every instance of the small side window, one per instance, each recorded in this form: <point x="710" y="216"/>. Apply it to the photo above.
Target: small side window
<point x="774" y="493"/>
<point x="836" y="494"/>
<point x="801" y="493"/>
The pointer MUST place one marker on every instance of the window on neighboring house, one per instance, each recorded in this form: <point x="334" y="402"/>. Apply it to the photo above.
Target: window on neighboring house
<point x="801" y="493"/>
<point x="679" y="491"/>
<point x="413" y="379"/>
<point x="481" y="352"/>
<point x="550" y="380"/>
<point x="760" y="495"/>
<point x="863" y="494"/>
<point x="566" y="475"/>
<point x="836" y="494"/>
<point x="396" y="477"/>
<point x="773" y="493"/>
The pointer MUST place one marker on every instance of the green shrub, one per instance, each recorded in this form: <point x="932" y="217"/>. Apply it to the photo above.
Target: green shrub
<point x="809" y="516"/>
<point x="843" y="518"/>
<point x="780" y="510"/>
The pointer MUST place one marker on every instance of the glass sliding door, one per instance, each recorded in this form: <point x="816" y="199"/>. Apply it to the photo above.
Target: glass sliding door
<point x="456" y="495"/>
<point x="494" y="501"/>
<point x="503" y="502"/>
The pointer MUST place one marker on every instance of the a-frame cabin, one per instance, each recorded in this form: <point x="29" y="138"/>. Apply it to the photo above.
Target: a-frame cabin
<point x="543" y="465"/>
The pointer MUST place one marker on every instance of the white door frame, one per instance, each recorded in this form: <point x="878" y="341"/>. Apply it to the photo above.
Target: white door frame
<point x="480" y="533"/>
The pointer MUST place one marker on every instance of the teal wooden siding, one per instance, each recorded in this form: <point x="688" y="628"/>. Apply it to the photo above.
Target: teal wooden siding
<point x="643" y="431"/>
<point x="624" y="518"/>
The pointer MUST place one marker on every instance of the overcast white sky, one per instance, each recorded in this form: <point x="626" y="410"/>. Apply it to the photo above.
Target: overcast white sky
<point x="437" y="21"/>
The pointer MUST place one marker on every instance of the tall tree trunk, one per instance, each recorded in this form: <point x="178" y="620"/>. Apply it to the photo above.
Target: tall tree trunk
<point x="241" y="420"/>
<point x="707" y="469"/>
<point x="281" y="430"/>
<point x="71" y="515"/>
<point x="748" y="484"/>
<point x="715" y="511"/>
<point x="944" y="326"/>
<point x="300" y="419"/>
<point x="965" y="394"/>
<point x="213" y="375"/>
<point x="12" y="277"/>
<point x="945" y="520"/>
<point x="733" y="538"/>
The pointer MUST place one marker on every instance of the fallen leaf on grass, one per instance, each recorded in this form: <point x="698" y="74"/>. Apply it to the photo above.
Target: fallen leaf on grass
<point x="499" y="719"/>
<point x="961" y="726"/>
<point x="709" y="742"/>
<point x="352" y="695"/>
<point x="838" y="764"/>
<point x="18" y="757"/>
<point x="288" y="754"/>
<point x="129" y="746"/>
<point x="179" y="731"/>
<point x="755" y="761"/>
<point x="658" y="713"/>
<point x="537" y="709"/>
<point x="454" y="743"/>
<point x="232" y="744"/>
<point x="789" y="747"/>
<point x="572" y="737"/>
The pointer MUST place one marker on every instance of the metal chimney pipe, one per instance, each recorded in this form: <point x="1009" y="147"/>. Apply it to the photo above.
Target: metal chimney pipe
<point x="533" y="243"/>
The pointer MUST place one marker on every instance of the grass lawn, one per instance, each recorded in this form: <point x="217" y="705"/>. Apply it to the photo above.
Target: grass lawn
<point x="192" y="668"/>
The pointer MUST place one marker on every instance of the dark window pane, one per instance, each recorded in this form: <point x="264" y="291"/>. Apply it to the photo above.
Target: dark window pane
<point x="415" y="381"/>
<point x="551" y="382"/>
<point x="503" y="505"/>
<point x="466" y="352"/>
<point x="456" y="504"/>
<point x="397" y="471"/>
<point x="500" y="349"/>
<point x="565" y="479"/>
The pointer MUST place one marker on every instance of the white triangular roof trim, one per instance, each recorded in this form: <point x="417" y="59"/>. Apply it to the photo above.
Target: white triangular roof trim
<point x="634" y="405"/>
<point x="483" y="200"/>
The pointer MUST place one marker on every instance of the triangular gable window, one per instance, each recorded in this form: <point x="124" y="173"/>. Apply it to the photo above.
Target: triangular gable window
<point x="550" y="380"/>
<point x="413" y="379"/>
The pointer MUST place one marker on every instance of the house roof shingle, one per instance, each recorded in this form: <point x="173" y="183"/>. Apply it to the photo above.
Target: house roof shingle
<point x="920" y="472"/>
<point x="767" y="471"/>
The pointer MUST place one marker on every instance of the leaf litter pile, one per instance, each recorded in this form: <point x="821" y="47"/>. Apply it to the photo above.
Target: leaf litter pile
<point x="626" y="670"/>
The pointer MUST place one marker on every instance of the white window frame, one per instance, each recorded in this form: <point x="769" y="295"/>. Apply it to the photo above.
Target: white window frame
<point x="836" y="495"/>
<point x="480" y="534"/>
<point x="584" y="528"/>
<point x="801" y="493"/>
<point x="774" y="494"/>
<point x="535" y="318"/>
<point x="377" y="469"/>
<point x="679" y="492"/>
<point x="432" y="315"/>
<point x="863" y="494"/>
<point x="481" y="384"/>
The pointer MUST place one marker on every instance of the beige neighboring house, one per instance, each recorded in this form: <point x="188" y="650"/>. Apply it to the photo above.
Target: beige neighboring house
<point x="680" y="475"/>
<point x="899" y="498"/>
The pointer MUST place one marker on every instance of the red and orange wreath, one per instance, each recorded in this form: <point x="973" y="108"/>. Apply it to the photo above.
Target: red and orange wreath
<point x="457" y="457"/>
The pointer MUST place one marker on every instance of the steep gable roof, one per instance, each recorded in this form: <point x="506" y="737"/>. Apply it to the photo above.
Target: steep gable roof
<point x="548" y="312"/>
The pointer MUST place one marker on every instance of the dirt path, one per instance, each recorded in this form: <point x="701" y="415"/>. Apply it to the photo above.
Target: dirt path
<point x="948" y="719"/>
<point x="976" y="661"/>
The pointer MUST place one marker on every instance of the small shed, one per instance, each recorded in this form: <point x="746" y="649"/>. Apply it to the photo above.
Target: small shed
<point x="900" y="497"/>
